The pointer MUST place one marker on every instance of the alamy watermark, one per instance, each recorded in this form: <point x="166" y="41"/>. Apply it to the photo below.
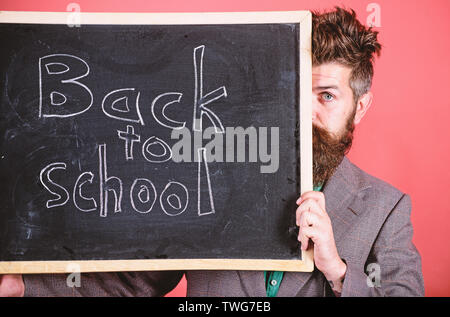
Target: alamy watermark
<point x="74" y="278"/>
<point x="74" y="18"/>
<point x="374" y="18"/>
<point x="374" y="275"/>
<point x="236" y="144"/>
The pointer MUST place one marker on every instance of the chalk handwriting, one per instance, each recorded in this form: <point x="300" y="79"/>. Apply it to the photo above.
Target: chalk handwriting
<point x="200" y="100"/>
<point x="146" y="196"/>
<point x="156" y="157"/>
<point x="174" y="199"/>
<point x="63" y="95"/>
<point x="53" y="81"/>
<point x="202" y="159"/>
<point x="108" y="184"/>
<point x="129" y="137"/>
<point x="62" y="196"/>
<point x="63" y="70"/>
<point x="78" y="198"/>
<point x="159" y="106"/>
<point x="111" y="103"/>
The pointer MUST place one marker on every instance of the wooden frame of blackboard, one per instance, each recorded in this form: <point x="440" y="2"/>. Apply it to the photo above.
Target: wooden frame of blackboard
<point x="303" y="18"/>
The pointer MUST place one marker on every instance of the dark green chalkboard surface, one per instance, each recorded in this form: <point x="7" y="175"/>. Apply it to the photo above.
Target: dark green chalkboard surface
<point x="128" y="145"/>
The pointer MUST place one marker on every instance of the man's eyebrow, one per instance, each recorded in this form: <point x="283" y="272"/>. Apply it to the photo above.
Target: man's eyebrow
<point x="326" y="87"/>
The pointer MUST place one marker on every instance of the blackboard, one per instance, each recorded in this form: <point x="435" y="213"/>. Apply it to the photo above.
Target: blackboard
<point x="153" y="141"/>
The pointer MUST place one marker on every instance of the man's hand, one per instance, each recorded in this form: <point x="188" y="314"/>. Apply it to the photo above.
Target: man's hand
<point x="315" y="224"/>
<point x="11" y="285"/>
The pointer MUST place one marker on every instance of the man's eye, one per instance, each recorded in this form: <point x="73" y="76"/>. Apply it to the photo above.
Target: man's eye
<point x="327" y="97"/>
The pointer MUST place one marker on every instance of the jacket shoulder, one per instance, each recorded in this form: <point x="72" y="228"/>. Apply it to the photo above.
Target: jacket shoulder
<point x="376" y="191"/>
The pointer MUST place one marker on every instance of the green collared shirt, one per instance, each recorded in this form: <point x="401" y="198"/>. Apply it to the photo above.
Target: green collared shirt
<point x="273" y="279"/>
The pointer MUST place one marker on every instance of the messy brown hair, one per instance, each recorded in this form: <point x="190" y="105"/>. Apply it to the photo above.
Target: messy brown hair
<point x="338" y="36"/>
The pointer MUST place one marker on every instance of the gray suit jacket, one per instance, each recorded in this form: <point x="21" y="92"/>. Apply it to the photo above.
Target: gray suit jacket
<point x="372" y="230"/>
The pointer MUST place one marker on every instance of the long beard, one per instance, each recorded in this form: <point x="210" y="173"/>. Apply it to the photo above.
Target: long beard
<point x="329" y="150"/>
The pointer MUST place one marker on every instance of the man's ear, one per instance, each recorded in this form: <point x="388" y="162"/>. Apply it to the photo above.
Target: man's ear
<point x="362" y="106"/>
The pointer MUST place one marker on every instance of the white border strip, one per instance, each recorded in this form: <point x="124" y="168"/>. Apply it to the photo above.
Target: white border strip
<point x="155" y="18"/>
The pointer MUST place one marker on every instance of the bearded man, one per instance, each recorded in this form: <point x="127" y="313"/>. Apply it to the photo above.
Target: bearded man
<point x="359" y="225"/>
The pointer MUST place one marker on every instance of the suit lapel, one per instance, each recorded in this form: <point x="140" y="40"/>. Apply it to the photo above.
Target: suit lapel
<point x="344" y="194"/>
<point x="253" y="282"/>
<point x="293" y="282"/>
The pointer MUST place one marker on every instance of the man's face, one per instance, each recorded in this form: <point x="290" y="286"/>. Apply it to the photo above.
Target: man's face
<point x="333" y="101"/>
<point x="334" y="110"/>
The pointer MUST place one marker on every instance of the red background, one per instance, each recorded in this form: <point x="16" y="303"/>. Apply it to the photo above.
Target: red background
<point x="404" y="138"/>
